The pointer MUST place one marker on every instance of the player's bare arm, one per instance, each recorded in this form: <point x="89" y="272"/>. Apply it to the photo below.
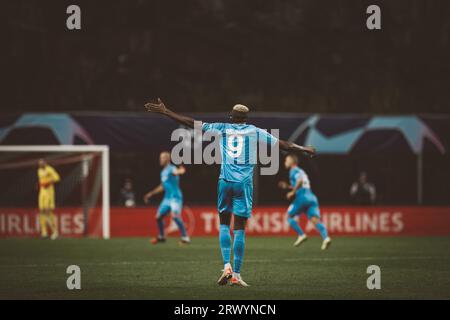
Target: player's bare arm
<point x="295" y="148"/>
<point x="157" y="190"/>
<point x="179" y="171"/>
<point x="291" y="194"/>
<point x="284" y="185"/>
<point x="161" y="108"/>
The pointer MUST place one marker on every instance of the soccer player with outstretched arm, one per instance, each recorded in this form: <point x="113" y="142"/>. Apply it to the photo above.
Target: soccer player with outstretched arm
<point x="172" y="202"/>
<point x="303" y="201"/>
<point x="235" y="189"/>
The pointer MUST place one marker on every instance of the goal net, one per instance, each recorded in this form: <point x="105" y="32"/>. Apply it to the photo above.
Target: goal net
<point x="81" y="195"/>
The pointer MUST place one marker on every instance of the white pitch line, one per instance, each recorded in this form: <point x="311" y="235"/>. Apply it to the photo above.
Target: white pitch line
<point x="115" y="263"/>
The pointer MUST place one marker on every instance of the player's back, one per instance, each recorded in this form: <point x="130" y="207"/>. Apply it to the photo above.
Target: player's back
<point x="239" y="145"/>
<point x="171" y="183"/>
<point x="297" y="173"/>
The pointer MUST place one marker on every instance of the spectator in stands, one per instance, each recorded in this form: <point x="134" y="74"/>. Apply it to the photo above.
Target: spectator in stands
<point x="363" y="192"/>
<point x="127" y="196"/>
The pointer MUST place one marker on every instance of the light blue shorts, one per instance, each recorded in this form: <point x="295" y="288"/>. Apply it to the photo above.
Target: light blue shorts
<point x="305" y="202"/>
<point x="169" y="206"/>
<point x="235" y="197"/>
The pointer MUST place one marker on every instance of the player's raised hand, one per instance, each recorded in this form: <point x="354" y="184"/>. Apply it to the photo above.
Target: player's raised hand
<point x="283" y="185"/>
<point x="158" y="107"/>
<point x="309" y="150"/>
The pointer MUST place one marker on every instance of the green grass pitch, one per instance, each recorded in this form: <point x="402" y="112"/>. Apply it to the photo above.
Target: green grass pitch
<point x="411" y="268"/>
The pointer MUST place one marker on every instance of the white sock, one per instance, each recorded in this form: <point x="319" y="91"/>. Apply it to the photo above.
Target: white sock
<point x="226" y="266"/>
<point x="237" y="275"/>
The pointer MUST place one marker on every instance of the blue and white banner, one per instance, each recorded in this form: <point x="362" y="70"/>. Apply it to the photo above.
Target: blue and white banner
<point x="331" y="134"/>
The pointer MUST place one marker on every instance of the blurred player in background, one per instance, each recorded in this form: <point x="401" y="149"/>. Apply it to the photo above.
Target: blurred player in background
<point x="303" y="201"/>
<point x="235" y="189"/>
<point x="172" y="202"/>
<point x="47" y="178"/>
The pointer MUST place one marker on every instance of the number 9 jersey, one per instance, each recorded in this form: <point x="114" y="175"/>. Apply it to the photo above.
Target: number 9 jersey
<point x="238" y="147"/>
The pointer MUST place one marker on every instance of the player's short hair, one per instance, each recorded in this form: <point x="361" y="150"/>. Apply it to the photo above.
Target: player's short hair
<point x="293" y="157"/>
<point x="239" y="112"/>
<point x="165" y="153"/>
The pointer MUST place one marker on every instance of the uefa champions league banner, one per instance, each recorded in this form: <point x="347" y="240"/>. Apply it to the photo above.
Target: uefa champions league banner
<point x="265" y="221"/>
<point x="332" y="134"/>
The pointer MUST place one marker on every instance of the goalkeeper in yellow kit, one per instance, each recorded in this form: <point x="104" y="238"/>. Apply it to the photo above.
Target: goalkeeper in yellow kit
<point x="47" y="178"/>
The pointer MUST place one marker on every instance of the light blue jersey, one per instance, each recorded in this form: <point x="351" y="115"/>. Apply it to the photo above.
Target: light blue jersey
<point x="173" y="197"/>
<point x="238" y="146"/>
<point x="305" y="200"/>
<point x="171" y="183"/>
<point x="296" y="174"/>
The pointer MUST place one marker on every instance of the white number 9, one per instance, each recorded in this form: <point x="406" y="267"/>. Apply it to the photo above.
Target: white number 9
<point x="235" y="151"/>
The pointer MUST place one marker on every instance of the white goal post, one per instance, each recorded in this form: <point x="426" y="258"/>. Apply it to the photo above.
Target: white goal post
<point x="102" y="149"/>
